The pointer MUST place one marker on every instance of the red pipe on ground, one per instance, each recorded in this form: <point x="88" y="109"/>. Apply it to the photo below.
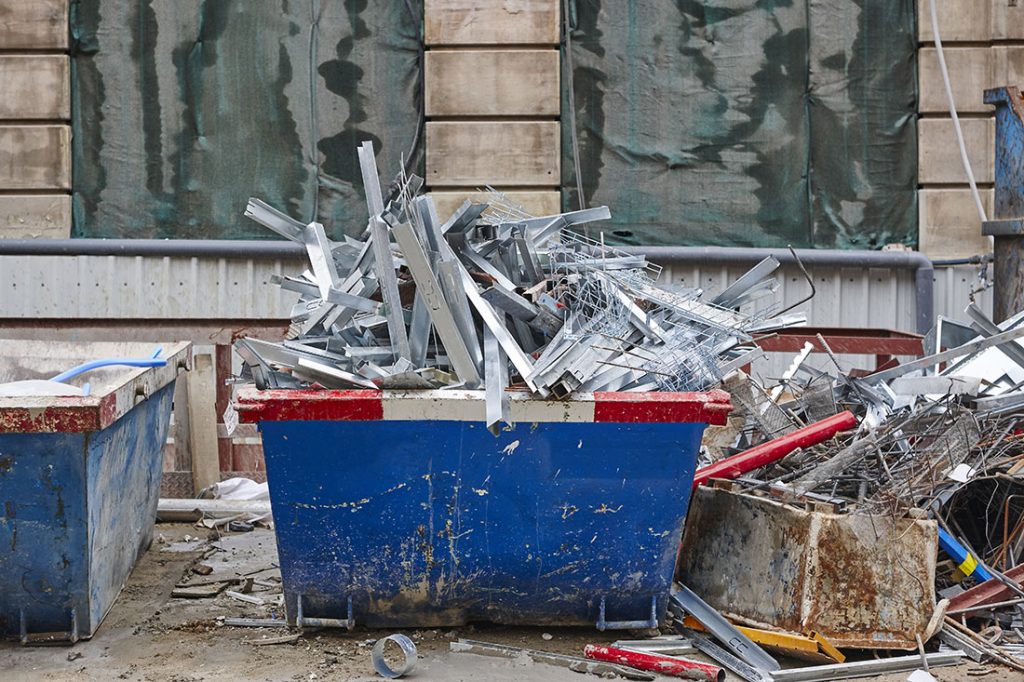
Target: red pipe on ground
<point x="776" y="449"/>
<point x="664" y="665"/>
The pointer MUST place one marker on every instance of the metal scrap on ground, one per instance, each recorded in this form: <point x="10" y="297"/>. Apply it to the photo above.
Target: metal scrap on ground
<point x="930" y="449"/>
<point x="492" y="297"/>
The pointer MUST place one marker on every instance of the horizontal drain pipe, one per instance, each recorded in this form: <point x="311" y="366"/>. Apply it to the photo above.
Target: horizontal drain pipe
<point x="663" y="255"/>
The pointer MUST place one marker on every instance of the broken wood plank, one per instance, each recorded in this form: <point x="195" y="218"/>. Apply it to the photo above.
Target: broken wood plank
<point x="199" y="591"/>
<point x="35" y="157"/>
<point x="478" y="153"/>
<point x="492" y="83"/>
<point x="202" y="398"/>
<point x="491" y="22"/>
<point x="36" y="86"/>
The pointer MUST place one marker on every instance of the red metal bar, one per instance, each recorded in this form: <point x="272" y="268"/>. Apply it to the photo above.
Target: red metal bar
<point x="663" y="665"/>
<point x="775" y="449"/>
<point x="988" y="592"/>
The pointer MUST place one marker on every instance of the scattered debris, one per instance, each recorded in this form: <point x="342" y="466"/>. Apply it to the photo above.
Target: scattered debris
<point x="574" y="663"/>
<point x="270" y="641"/>
<point x="247" y="598"/>
<point x="903" y="460"/>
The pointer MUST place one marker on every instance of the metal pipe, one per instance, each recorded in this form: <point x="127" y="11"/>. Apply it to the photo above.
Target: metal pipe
<point x="775" y="449"/>
<point x="664" y="665"/>
<point x="241" y="249"/>
<point x="238" y="249"/>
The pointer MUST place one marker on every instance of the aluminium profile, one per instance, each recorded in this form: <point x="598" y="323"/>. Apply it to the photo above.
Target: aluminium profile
<point x="325" y="374"/>
<point x="520" y="360"/>
<point x="497" y="404"/>
<point x="274" y="220"/>
<point x="440" y="314"/>
<point x="464" y="218"/>
<point x="709" y="648"/>
<point x="448" y="277"/>
<point x="528" y="255"/>
<point x="727" y="633"/>
<point x="419" y="331"/>
<point x="986" y="328"/>
<point x="967" y="349"/>
<point x="371" y="179"/>
<point x="869" y="668"/>
<point x="735" y="292"/>
<point x="388" y="282"/>
<point x="587" y="215"/>
<point x="470" y="255"/>
<point x="325" y="272"/>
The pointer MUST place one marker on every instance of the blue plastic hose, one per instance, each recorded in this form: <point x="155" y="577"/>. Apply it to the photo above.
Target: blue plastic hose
<point x="152" y="361"/>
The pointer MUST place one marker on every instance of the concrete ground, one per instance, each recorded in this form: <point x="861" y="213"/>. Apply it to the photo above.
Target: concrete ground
<point x="151" y="637"/>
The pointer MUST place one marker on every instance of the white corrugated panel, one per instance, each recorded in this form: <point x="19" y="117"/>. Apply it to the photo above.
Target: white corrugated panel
<point x="141" y="287"/>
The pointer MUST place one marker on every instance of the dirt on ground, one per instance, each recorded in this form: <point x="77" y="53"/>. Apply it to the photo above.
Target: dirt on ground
<point x="150" y="636"/>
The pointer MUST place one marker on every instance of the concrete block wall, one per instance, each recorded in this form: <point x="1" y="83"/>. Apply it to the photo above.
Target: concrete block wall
<point x="982" y="41"/>
<point x="492" y="100"/>
<point x="35" y="115"/>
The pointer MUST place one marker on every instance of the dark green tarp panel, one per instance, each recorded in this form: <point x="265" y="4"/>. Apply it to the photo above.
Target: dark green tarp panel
<point x="747" y="122"/>
<point x="183" y="109"/>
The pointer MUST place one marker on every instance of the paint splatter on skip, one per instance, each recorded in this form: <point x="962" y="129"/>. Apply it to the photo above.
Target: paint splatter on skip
<point x="510" y="449"/>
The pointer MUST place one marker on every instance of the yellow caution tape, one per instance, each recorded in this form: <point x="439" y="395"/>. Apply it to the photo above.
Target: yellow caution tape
<point x="968" y="565"/>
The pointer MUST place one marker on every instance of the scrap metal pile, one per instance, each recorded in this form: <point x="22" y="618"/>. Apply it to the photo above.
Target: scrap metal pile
<point x="491" y="297"/>
<point x="939" y="437"/>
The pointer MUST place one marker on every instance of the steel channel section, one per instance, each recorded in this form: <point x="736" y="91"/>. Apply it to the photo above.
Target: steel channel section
<point x="746" y="282"/>
<point x="1009" y="336"/>
<point x="727" y="633"/>
<point x="427" y="522"/>
<point x="855" y="669"/>
<point x="319" y="250"/>
<point x="440" y="314"/>
<point x="498" y="406"/>
<point x="986" y="328"/>
<point x="269" y="217"/>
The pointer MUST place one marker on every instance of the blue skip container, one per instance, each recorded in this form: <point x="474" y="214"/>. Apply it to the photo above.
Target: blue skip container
<point x="399" y="509"/>
<point x="79" y="483"/>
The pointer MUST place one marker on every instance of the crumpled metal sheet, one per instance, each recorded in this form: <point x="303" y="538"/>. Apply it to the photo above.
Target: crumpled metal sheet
<point x="748" y="123"/>
<point x="859" y="580"/>
<point x="182" y="110"/>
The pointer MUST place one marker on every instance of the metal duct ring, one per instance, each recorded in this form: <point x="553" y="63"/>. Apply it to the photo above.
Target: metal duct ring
<point x="381" y="665"/>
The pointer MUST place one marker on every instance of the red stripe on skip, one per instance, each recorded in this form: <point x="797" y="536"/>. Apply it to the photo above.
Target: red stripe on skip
<point x="712" y="407"/>
<point x="309" y="405"/>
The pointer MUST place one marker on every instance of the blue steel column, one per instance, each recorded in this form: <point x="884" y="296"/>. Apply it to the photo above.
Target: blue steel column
<point x="1007" y="224"/>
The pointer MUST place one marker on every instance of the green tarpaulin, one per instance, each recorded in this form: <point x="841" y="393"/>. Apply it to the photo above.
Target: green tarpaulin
<point x="747" y="122"/>
<point x="728" y="122"/>
<point x="184" y="109"/>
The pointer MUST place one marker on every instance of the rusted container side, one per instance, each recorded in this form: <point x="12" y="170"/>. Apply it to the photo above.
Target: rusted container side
<point x="858" y="580"/>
